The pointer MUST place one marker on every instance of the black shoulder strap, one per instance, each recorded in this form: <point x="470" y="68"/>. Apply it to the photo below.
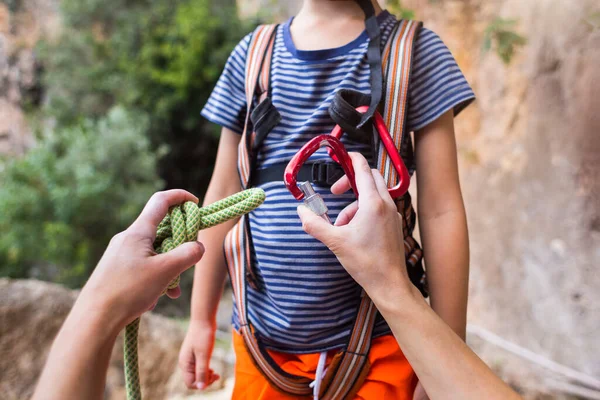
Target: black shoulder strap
<point x="373" y="58"/>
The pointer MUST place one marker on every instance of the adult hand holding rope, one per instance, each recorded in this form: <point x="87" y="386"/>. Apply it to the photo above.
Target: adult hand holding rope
<point x="128" y="281"/>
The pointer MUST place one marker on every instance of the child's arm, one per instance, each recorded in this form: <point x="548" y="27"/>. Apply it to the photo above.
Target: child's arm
<point x="210" y="272"/>
<point x="442" y="221"/>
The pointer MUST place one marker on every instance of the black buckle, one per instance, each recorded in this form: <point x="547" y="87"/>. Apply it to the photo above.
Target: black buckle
<point x="326" y="173"/>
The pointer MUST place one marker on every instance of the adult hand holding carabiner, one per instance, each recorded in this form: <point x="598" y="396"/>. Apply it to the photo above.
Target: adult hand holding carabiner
<point x="366" y="234"/>
<point x="366" y="239"/>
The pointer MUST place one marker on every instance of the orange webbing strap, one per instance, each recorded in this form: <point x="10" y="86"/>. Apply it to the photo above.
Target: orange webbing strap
<point x="353" y="367"/>
<point x="237" y="253"/>
<point x="237" y="246"/>
<point x="397" y="67"/>
<point x="396" y="64"/>
<point x="258" y="68"/>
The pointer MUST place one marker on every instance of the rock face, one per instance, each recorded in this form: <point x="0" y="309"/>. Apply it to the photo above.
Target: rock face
<point x="529" y="153"/>
<point x="22" y="24"/>
<point x="31" y="312"/>
<point x="530" y="162"/>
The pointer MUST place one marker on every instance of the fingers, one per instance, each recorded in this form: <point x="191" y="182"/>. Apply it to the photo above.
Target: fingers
<point x="364" y="177"/>
<point x="341" y="186"/>
<point x="202" y="373"/>
<point x="174" y="262"/>
<point x="382" y="188"/>
<point x="316" y="226"/>
<point x="211" y="377"/>
<point x="158" y="206"/>
<point x="347" y="214"/>
<point x="174" y="293"/>
<point x="187" y="363"/>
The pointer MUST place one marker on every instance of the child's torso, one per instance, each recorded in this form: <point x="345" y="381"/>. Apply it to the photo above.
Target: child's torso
<point x="308" y="301"/>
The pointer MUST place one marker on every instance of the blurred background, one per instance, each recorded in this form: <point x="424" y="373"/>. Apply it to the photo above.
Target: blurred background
<point x="99" y="108"/>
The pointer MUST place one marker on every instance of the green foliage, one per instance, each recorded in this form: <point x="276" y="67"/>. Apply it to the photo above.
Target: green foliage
<point x="13" y="5"/>
<point x="63" y="201"/>
<point x="396" y="8"/>
<point x="158" y="57"/>
<point x="593" y="20"/>
<point x="501" y="35"/>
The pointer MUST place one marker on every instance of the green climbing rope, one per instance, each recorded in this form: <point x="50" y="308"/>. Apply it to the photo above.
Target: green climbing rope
<point x="179" y="226"/>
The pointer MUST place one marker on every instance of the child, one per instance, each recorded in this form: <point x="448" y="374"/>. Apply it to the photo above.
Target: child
<point x="306" y="303"/>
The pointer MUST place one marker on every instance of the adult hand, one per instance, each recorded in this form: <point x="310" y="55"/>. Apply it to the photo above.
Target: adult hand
<point x="130" y="277"/>
<point x="128" y="281"/>
<point x="366" y="234"/>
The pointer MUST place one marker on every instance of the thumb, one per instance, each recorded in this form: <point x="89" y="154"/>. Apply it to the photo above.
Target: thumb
<point x="179" y="259"/>
<point x="316" y="226"/>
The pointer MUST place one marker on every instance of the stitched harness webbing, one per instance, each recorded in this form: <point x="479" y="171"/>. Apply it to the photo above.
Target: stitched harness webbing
<point x="397" y="63"/>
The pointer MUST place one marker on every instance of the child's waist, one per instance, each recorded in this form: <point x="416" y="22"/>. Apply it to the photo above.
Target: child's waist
<point x="304" y="336"/>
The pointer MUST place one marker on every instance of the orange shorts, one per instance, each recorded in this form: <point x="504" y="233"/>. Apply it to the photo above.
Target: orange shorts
<point x="390" y="378"/>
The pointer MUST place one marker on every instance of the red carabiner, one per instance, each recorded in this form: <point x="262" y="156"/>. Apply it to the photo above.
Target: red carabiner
<point x="336" y="149"/>
<point x="403" y="176"/>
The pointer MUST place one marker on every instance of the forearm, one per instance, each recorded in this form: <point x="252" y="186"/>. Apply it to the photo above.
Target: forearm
<point x="79" y="358"/>
<point x="210" y="272"/>
<point x="446" y="248"/>
<point x="446" y="367"/>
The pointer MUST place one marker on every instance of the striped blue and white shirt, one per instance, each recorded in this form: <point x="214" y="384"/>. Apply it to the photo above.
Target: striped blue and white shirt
<point x="308" y="302"/>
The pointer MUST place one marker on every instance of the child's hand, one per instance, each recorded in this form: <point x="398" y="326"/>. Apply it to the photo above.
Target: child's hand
<point x="194" y="357"/>
<point x="420" y="393"/>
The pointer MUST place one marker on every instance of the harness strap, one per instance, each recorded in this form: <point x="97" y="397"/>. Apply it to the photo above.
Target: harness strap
<point x="373" y="59"/>
<point x="397" y="63"/>
<point x="260" y="52"/>
<point x="342" y="111"/>
<point x="322" y="173"/>
<point x="349" y="368"/>
<point x="353" y="367"/>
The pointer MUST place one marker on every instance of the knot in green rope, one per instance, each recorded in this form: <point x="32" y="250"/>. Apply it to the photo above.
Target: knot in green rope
<point x="184" y="221"/>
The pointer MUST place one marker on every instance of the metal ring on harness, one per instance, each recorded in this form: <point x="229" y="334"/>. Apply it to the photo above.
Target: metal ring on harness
<point x="403" y="176"/>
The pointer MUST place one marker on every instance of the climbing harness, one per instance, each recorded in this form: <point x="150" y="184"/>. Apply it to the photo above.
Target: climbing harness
<point x="179" y="226"/>
<point x="355" y="114"/>
<point x="351" y="355"/>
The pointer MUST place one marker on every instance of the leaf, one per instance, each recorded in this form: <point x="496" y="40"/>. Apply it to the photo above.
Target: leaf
<point x="593" y="20"/>
<point x="500" y="34"/>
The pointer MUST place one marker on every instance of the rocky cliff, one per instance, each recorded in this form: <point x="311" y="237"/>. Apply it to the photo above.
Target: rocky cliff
<point x="31" y="313"/>
<point x="22" y="25"/>
<point x="530" y="157"/>
<point x="529" y="153"/>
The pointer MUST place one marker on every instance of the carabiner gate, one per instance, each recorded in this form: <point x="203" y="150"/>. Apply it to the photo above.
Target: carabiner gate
<point x="336" y="149"/>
